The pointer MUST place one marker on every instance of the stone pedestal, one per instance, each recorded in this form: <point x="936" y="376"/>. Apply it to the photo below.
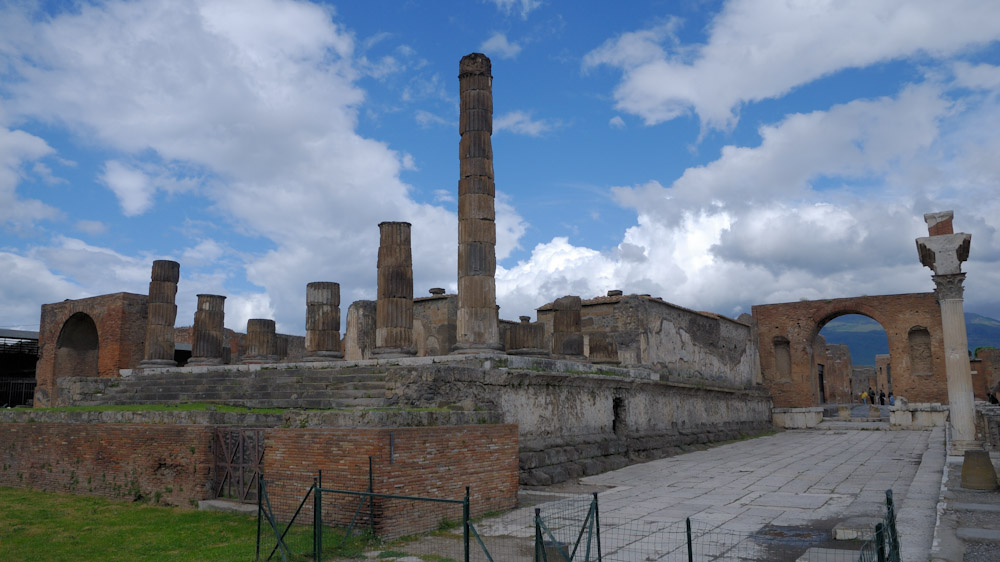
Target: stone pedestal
<point x="208" y="332"/>
<point x="478" y="328"/>
<point x="359" y="340"/>
<point x="262" y="345"/>
<point x="943" y="252"/>
<point x="394" y="307"/>
<point x="161" y="314"/>
<point x="567" y="336"/>
<point x="323" y="321"/>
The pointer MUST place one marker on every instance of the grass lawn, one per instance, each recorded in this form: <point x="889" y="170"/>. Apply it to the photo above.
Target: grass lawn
<point x="62" y="527"/>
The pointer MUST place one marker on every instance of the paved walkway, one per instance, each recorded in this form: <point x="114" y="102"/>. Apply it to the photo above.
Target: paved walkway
<point x="791" y="488"/>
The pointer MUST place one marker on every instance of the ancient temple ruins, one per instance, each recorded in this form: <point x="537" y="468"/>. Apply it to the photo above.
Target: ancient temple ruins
<point x="594" y="382"/>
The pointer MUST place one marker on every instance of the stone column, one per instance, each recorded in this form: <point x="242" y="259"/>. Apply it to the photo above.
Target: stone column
<point x="261" y="343"/>
<point x="943" y="252"/>
<point x="359" y="340"/>
<point x="478" y="326"/>
<point x="208" y="333"/>
<point x="323" y="321"/>
<point x="394" y="307"/>
<point x="161" y="314"/>
<point x="567" y="334"/>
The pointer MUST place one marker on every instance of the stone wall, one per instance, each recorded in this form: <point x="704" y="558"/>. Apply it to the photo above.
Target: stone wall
<point x="575" y="419"/>
<point x="787" y="334"/>
<point x="651" y="332"/>
<point x="837" y="370"/>
<point x="120" y="323"/>
<point x="173" y="465"/>
<point x="434" y="324"/>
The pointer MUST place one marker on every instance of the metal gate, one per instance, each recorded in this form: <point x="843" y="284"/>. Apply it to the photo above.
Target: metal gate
<point x="238" y="456"/>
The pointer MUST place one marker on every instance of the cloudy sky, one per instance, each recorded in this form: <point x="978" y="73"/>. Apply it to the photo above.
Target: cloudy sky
<point x="715" y="154"/>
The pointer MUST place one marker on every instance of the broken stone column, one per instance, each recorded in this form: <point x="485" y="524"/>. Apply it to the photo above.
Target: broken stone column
<point x="323" y="321"/>
<point x="161" y="314"/>
<point x="207" y="334"/>
<point x="262" y="344"/>
<point x="525" y="338"/>
<point x="394" y="307"/>
<point x="943" y="252"/>
<point x="359" y="338"/>
<point x="567" y="335"/>
<point x="478" y="328"/>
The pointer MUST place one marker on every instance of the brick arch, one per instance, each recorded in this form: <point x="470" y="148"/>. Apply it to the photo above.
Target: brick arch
<point x="77" y="347"/>
<point x="800" y="323"/>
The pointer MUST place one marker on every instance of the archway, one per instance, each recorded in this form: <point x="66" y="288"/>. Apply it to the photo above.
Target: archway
<point x="77" y="348"/>
<point x="852" y="355"/>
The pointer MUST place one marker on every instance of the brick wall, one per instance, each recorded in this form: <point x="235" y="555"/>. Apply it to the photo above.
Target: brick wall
<point x="120" y="319"/>
<point x="173" y="465"/>
<point x="170" y="463"/>
<point x="798" y="323"/>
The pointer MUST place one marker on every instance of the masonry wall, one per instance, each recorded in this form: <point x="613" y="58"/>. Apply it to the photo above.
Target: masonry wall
<point x="573" y="424"/>
<point x="651" y="332"/>
<point x="120" y="319"/>
<point x="912" y="323"/>
<point x="173" y="465"/>
<point x="837" y="370"/>
<point x="434" y="324"/>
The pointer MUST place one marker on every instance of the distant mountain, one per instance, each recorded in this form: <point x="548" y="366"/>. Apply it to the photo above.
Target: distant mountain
<point x="866" y="338"/>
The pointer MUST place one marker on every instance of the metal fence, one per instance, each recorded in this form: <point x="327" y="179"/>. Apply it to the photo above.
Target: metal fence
<point x="16" y="392"/>
<point x="566" y="530"/>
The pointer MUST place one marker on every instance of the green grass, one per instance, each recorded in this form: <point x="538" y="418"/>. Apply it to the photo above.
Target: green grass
<point x="48" y="526"/>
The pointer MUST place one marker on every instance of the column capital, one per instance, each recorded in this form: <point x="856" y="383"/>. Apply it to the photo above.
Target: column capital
<point x="949" y="286"/>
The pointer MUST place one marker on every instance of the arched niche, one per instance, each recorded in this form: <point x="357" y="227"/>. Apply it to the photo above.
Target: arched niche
<point x="77" y="348"/>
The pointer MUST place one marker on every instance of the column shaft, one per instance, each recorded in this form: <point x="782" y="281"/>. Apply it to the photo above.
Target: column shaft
<point x="208" y="332"/>
<point x="394" y="307"/>
<point x="323" y="321"/>
<point x="161" y="314"/>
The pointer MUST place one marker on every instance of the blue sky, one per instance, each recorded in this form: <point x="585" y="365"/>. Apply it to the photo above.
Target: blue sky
<point x="715" y="154"/>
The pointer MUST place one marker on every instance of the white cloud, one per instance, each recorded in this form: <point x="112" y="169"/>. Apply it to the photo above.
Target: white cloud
<point x="522" y="7"/>
<point x="16" y="149"/>
<point x="616" y="122"/>
<point x="426" y="119"/>
<point x="757" y="51"/>
<point x="91" y="227"/>
<point x="132" y="187"/>
<point x="520" y="122"/>
<point x="498" y="46"/>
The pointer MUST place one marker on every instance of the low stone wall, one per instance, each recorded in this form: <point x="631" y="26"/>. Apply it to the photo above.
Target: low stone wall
<point x="797" y="418"/>
<point x="917" y="416"/>
<point x="577" y="419"/>
<point x="174" y="464"/>
<point x="988" y="424"/>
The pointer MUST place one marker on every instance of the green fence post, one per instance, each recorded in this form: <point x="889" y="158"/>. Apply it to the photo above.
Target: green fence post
<point x="465" y="523"/>
<point x="687" y="524"/>
<point x="880" y="542"/>
<point x="259" y="493"/>
<point x="597" y="525"/>
<point x="894" y="554"/>
<point x="317" y="522"/>
<point x="539" y="552"/>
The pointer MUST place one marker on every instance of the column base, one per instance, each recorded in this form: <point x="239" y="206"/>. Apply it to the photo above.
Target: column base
<point x="529" y="351"/>
<point x="154" y="363"/>
<point x="393" y="352"/>
<point x="259" y="360"/>
<point x="204" y="362"/>
<point x="317" y="356"/>
<point x="473" y="348"/>
<point x="958" y="448"/>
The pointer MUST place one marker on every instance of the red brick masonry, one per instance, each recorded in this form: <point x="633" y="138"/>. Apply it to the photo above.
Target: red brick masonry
<point x="173" y="464"/>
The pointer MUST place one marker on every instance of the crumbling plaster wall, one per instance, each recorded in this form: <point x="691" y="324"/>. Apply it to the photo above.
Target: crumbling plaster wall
<point x="572" y="423"/>
<point x="651" y="332"/>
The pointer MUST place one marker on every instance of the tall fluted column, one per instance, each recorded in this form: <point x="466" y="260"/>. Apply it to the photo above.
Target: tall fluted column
<point x="323" y="321"/>
<point x="208" y="333"/>
<point x="262" y="346"/>
<point x="477" y="324"/>
<point x="161" y="314"/>
<point x="394" y="307"/>
<point x="944" y="251"/>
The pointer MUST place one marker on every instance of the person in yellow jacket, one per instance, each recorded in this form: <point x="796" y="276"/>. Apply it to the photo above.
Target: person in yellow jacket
<point x="864" y="396"/>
